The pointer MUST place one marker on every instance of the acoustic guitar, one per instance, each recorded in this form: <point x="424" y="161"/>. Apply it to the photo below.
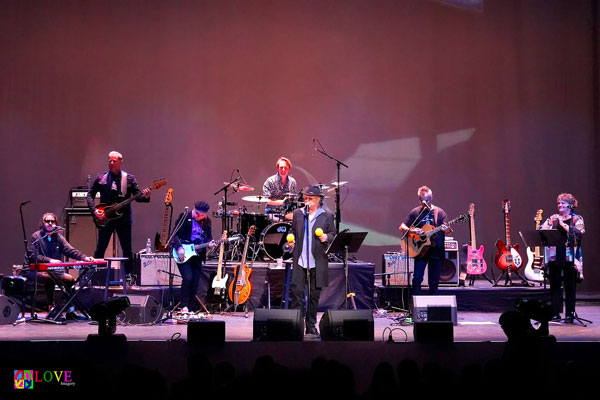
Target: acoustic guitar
<point x="240" y="288"/>
<point x="508" y="257"/>
<point x="476" y="264"/>
<point x="112" y="210"/>
<point x="419" y="243"/>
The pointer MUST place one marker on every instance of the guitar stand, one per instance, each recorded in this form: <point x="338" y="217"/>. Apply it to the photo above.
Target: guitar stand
<point x="508" y="279"/>
<point x="202" y="304"/>
<point x="471" y="279"/>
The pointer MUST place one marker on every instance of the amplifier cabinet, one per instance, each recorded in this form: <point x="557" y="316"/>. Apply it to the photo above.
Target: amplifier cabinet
<point x="154" y="268"/>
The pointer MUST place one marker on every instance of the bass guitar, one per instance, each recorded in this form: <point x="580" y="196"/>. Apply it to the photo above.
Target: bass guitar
<point x="475" y="262"/>
<point x="508" y="257"/>
<point x="190" y="249"/>
<point x="112" y="211"/>
<point x="534" y="270"/>
<point x="160" y="239"/>
<point x="419" y="243"/>
<point x="240" y="288"/>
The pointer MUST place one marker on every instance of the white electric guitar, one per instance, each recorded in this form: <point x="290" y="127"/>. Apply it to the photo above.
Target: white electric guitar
<point x="534" y="270"/>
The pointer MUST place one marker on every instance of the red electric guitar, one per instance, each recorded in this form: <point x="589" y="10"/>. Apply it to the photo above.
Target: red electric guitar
<point x="475" y="262"/>
<point x="508" y="257"/>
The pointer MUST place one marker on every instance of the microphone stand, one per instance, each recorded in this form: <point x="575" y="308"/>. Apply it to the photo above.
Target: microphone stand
<point x="224" y="189"/>
<point x="339" y="164"/>
<point x="306" y="238"/>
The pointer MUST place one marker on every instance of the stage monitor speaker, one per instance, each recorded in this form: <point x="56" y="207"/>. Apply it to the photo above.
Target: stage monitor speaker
<point x="433" y="332"/>
<point x="278" y="325"/>
<point x="347" y="325"/>
<point x="434" y="309"/>
<point x="450" y="271"/>
<point x="143" y="309"/>
<point x="154" y="268"/>
<point x="9" y="310"/>
<point x="81" y="232"/>
<point x="206" y="332"/>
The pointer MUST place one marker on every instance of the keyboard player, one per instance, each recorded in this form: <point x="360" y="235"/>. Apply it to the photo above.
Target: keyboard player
<point x="48" y="245"/>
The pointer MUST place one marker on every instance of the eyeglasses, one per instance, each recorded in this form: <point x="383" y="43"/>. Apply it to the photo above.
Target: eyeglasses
<point x="50" y="221"/>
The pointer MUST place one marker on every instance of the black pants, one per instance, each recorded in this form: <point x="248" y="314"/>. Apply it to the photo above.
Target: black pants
<point x="559" y="273"/>
<point x="190" y="278"/>
<point x="297" y="297"/>
<point x="123" y="228"/>
<point x="433" y="274"/>
<point x="49" y="279"/>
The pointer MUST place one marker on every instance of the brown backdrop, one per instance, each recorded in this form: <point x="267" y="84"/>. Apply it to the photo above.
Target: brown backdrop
<point x="498" y="100"/>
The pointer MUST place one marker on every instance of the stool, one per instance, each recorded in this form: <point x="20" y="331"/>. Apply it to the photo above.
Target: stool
<point x="123" y="280"/>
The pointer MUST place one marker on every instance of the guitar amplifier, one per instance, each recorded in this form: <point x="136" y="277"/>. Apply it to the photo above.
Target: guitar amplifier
<point x="154" y="268"/>
<point x="450" y="272"/>
<point x="395" y="264"/>
<point x="78" y="195"/>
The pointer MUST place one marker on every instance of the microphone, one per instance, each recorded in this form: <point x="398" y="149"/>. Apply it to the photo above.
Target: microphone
<point x="25" y="202"/>
<point x="424" y="204"/>
<point x="187" y="209"/>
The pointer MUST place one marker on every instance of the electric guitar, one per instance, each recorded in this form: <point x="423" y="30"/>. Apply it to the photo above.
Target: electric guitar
<point x="160" y="240"/>
<point x="475" y="262"/>
<point x="535" y="262"/>
<point x="508" y="257"/>
<point x="240" y="288"/>
<point x="219" y="283"/>
<point x="111" y="211"/>
<point x="190" y="249"/>
<point x="418" y="243"/>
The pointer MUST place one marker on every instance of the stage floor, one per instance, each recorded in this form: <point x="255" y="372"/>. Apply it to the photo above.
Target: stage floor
<point x="472" y="327"/>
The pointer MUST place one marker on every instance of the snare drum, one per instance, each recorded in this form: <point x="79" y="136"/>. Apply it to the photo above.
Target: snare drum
<point x="273" y="238"/>
<point x="261" y="221"/>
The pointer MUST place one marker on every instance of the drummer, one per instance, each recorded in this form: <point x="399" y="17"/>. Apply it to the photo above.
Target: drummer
<point x="279" y="186"/>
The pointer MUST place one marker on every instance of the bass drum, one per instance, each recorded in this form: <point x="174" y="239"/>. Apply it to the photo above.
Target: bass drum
<point x="273" y="238"/>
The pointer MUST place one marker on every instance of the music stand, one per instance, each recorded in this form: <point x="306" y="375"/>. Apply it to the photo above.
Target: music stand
<point x="348" y="242"/>
<point x="552" y="237"/>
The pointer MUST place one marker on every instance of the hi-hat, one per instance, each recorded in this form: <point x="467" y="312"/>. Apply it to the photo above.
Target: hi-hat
<point x="242" y="187"/>
<point x="256" y="199"/>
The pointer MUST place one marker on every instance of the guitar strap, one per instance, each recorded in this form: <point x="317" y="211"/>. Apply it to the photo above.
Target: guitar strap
<point x="435" y="215"/>
<point x="123" y="183"/>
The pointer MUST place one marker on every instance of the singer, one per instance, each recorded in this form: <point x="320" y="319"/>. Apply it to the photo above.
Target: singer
<point x="427" y="214"/>
<point x="49" y="245"/>
<point x="278" y="186"/>
<point x="313" y="229"/>
<point x="565" y="262"/>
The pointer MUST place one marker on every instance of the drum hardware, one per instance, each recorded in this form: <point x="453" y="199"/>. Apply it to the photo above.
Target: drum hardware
<point x="256" y="199"/>
<point x="272" y="239"/>
<point x="239" y="186"/>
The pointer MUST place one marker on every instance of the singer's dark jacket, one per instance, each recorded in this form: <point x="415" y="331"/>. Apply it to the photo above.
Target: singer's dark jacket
<point x="184" y="233"/>
<point x="428" y="217"/>
<point x="55" y="248"/>
<point x="325" y="222"/>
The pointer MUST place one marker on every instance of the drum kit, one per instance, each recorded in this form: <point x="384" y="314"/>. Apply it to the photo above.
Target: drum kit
<point x="272" y="224"/>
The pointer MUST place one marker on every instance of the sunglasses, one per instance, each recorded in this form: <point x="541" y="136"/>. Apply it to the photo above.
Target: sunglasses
<point x="50" y="221"/>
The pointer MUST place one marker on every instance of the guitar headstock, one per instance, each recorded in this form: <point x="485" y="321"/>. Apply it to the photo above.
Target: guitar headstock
<point x="169" y="197"/>
<point x="506" y="206"/>
<point x="159" y="183"/>
<point x="471" y="209"/>
<point x="461" y="218"/>
<point x="538" y="218"/>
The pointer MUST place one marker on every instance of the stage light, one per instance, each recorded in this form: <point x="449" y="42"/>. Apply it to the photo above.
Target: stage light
<point x="105" y="313"/>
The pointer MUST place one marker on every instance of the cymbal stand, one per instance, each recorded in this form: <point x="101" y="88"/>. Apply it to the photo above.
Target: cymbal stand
<point x="339" y="164"/>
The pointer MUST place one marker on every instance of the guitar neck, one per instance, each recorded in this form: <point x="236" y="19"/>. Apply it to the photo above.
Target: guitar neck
<point x="507" y="229"/>
<point x="220" y="264"/>
<point x="163" y="234"/>
<point x="473" y="238"/>
<point x="125" y="202"/>
<point x="439" y="228"/>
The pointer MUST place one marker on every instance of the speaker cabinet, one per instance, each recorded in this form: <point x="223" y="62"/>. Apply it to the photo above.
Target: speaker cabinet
<point x="394" y="266"/>
<point x="278" y="325"/>
<point x="434" y="309"/>
<point x="433" y="332"/>
<point x="347" y="325"/>
<point x="206" y="332"/>
<point x="450" y="272"/>
<point x="9" y="310"/>
<point x="143" y="309"/>
<point x="81" y="232"/>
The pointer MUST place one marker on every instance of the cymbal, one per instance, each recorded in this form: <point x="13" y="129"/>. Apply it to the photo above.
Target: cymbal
<point x="342" y="183"/>
<point x="256" y="199"/>
<point x="242" y="187"/>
